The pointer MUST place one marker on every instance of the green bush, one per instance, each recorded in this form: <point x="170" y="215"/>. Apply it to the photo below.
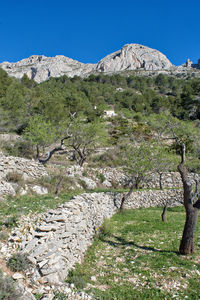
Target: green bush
<point x="105" y="229"/>
<point x="77" y="277"/>
<point x="19" y="262"/>
<point x="7" y="288"/>
<point x="20" y="148"/>
<point x="59" y="296"/>
<point x="101" y="177"/>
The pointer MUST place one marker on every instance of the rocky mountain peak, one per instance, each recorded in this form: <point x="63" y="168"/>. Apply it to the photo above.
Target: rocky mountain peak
<point x="129" y="57"/>
<point x="133" y="57"/>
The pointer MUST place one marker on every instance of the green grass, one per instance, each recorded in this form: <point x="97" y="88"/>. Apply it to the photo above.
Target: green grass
<point x="13" y="207"/>
<point x="135" y="256"/>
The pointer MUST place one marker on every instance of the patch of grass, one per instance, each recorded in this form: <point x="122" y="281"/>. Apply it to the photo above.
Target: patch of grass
<point x="56" y="183"/>
<point x="3" y="236"/>
<point x="19" y="262"/>
<point x="7" y="288"/>
<point x="13" y="207"/>
<point x="138" y="258"/>
<point x="101" y="177"/>
<point x="59" y="296"/>
<point x="78" y="277"/>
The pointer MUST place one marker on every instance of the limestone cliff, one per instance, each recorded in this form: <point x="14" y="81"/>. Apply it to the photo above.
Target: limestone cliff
<point x="133" y="57"/>
<point x="130" y="57"/>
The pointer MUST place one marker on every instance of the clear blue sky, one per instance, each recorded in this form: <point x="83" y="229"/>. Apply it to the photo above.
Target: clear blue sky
<point x="89" y="30"/>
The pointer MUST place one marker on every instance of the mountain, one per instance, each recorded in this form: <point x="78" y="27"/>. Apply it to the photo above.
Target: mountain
<point x="133" y="57"/>
<point x="41" y="68"/>
<point x="130" y="57"/>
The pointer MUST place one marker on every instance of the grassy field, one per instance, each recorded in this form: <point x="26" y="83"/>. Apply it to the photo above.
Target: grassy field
<point x="13" y="208"/>
<point x="134" y="256"/>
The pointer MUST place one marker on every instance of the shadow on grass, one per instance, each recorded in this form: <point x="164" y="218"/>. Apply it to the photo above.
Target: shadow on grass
<point x="123" y="242"/>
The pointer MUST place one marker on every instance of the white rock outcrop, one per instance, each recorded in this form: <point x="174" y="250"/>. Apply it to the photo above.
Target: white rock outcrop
<point x="130" y="57"/>
<point x="133" y="57"/>
<point x="41" y="68"/>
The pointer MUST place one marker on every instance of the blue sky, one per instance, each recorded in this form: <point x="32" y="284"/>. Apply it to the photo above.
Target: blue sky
<point x="89" y="30"/>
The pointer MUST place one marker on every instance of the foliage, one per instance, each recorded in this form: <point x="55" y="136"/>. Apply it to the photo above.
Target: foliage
<point x="40" y="132"/>
<point x="19" y="262"/>
<point x="77" y="277"/>
<point x="101" y="177"/>
<point x="7" y="288"/>
<point x="138" y="160"/>
<point x="19" y="148"/>
<point x="85" y="137"/>
<point x="54" y="99"/>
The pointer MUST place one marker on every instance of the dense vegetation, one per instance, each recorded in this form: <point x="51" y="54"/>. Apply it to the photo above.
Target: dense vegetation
<point x="150" y="111"/>
<point x="135" y="96"/>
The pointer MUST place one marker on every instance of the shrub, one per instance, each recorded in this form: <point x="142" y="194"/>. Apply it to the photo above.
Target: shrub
<point x="19" y="262"/>
<point x="3" y="236"/>
<point x="77" y="277"/>
<point x="59" y="296"/>
<point x="10" y="222"/>
<point x="101" y="177"/>
<point x="56" y="183"/>
<point x="7" y="288"/>
<point x="105" y="229"/>
<point x="14" y="177"/>
<point x="20" y="148"/>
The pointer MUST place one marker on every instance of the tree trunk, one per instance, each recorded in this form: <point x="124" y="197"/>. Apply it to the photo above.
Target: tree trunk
<point x="125" y="197"/>
<point x="160" y="181"/>
<point x="163" y="216"/>
<point x="58" y="186"/>
<point x="37" y="152"/>
<point x="137" y="182"/>
<point x="187" y="242"/>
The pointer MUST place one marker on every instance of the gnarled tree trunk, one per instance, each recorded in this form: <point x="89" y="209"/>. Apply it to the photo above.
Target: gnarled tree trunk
<point x="187" y="242"/>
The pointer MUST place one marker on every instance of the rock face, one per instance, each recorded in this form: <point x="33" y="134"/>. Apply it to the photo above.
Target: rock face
<point x="41" y="68"/>
<point x="130" y="57"/>
<point x="133" y="57"/>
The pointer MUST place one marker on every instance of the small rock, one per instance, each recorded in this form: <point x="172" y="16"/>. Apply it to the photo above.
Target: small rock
<point x="17" y="276"/>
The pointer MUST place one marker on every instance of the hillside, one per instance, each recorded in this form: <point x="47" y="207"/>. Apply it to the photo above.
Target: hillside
<point x="72" y="150"/>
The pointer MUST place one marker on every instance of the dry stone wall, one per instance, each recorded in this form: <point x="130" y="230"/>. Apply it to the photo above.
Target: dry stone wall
<point x="61" y="236"/>
<point x="29" y="169"/>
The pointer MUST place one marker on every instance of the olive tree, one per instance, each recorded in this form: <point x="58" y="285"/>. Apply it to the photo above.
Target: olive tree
<point x="74" y="133"/>
<point x="138" y="163"/>
<point x="185" y="136"/>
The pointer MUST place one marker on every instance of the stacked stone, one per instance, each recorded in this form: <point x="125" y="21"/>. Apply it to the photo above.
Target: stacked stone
<point x="29" y="169"/>
<point x="61" y="236"/>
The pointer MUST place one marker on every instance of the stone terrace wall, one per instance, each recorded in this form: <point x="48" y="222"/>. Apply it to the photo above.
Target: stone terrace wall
<point x="61" y="236"/>
<point x="30" y="169"/>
